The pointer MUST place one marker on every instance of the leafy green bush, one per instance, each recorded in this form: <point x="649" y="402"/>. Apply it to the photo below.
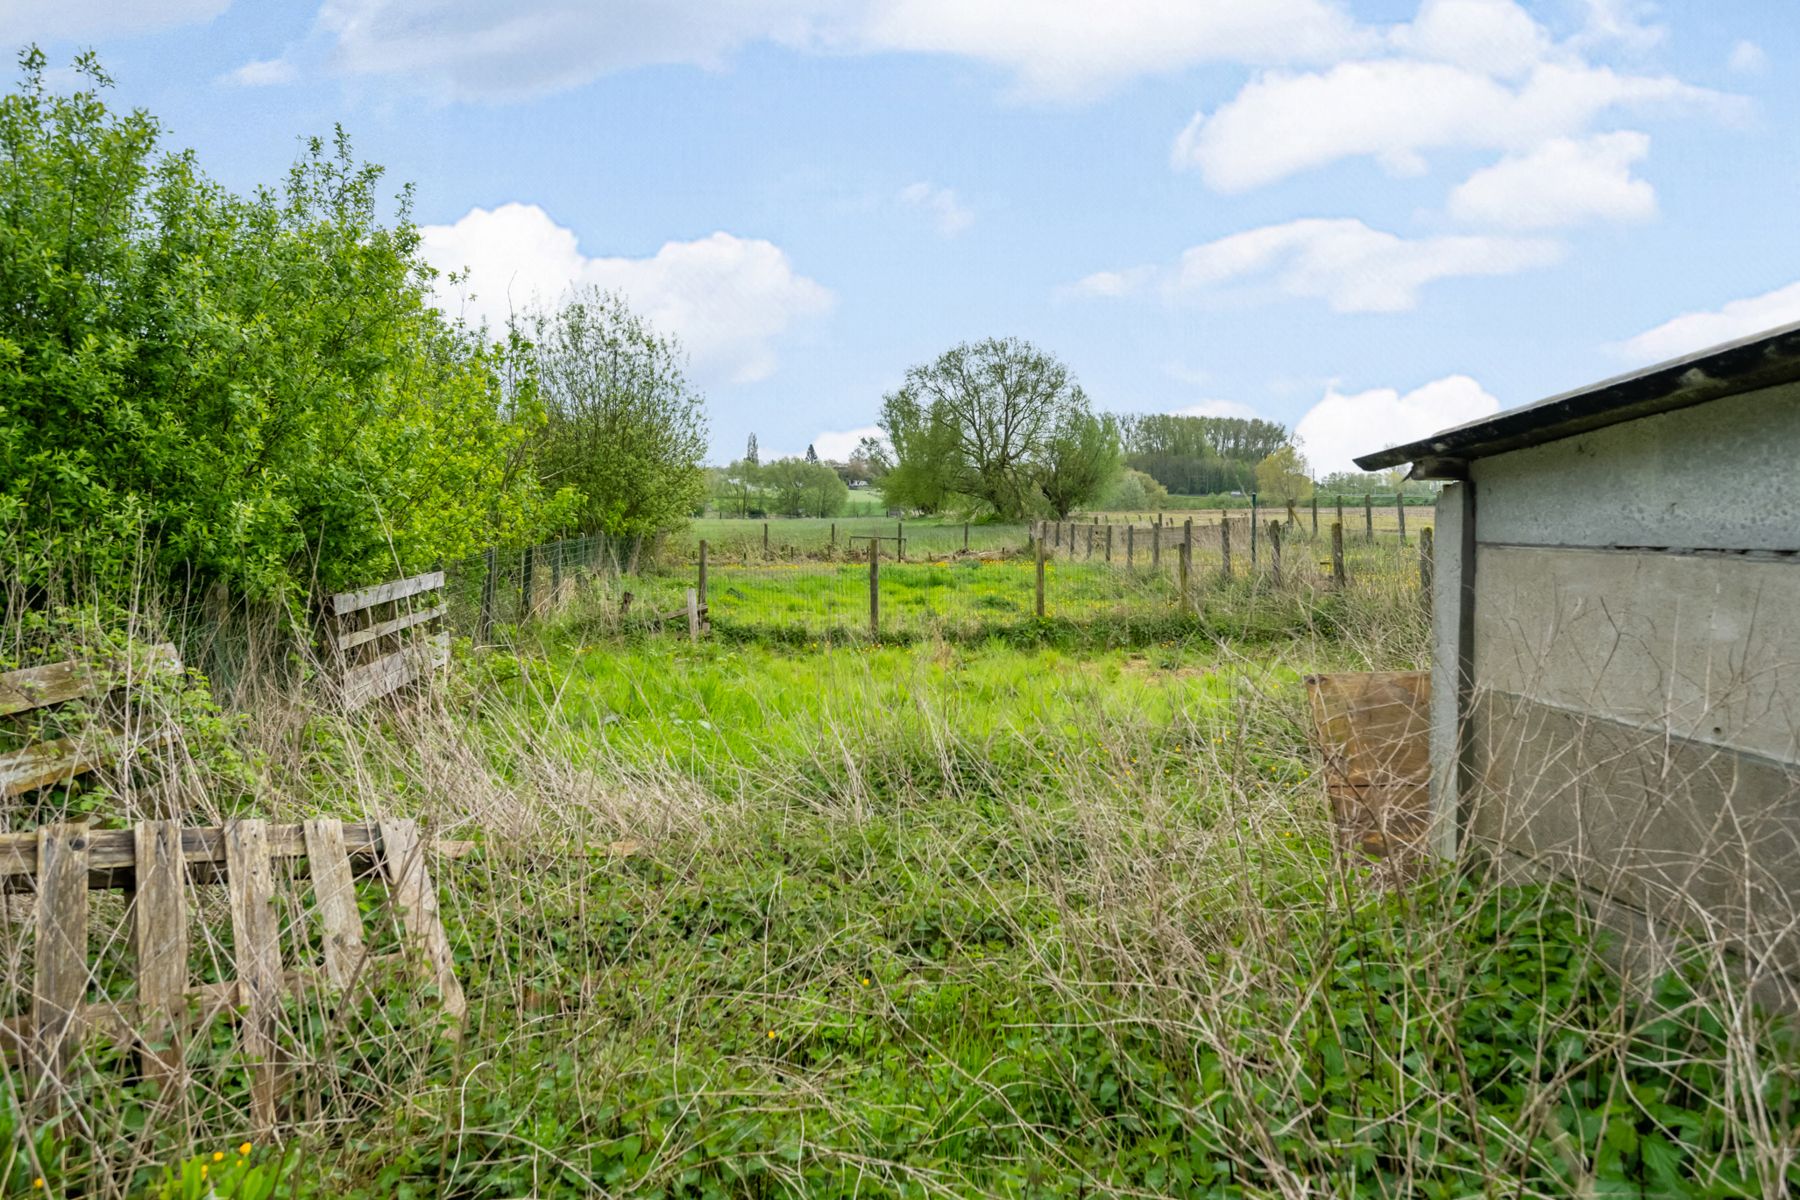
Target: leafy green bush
<point x="257" y="387"/>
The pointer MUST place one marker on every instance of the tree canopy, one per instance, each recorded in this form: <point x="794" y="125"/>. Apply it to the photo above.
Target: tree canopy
<point x="998" y="425"/>
<point x="259" y="391"/>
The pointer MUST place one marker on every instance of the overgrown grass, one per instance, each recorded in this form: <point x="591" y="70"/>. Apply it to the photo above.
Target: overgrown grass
<point x="1031" y="915"/>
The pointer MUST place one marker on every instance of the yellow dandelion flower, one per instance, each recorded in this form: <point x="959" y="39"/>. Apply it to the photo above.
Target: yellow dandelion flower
<point x="218" y="1156"/>
<point x="38" y="1182"/>
<point x="865" y="983"/>
<point x="203" y="1170"/>
<point x="244" y="1149"/>
<point x="771" y="1035"/>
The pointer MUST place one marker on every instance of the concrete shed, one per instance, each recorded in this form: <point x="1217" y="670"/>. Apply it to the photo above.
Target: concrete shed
<point x="1616" y="679"/>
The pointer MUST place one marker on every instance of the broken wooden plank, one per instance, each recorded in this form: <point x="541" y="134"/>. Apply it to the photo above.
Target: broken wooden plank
<point x="399" y="589"/>
<point x="373" y="680"/>
<point x="351" y="638"/>
<point x="113" y="850"/>
<point x="160" y="936"/>
<point x="334" y="895"/>
<point x="250" y="881"/>
<point x="48" y="764"/>
<point x="403" y="864"/>
<point x="58" y="683"/>
<point x="62" y="930"/>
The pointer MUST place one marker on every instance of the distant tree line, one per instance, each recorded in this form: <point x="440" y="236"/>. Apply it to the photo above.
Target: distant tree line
<point x="1195" y="456"/>
<point x="258" y="390"/>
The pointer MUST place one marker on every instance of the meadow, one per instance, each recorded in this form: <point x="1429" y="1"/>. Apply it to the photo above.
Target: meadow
<point x="1047" y="910"/>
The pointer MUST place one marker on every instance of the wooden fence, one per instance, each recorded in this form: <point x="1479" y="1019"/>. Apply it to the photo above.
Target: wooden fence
<point x="156" y="863"/>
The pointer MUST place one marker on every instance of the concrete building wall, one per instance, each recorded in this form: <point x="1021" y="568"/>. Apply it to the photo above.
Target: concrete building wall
<point x="1630" y="623"/>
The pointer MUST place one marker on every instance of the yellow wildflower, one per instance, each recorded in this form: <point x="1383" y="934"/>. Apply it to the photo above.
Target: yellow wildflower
<point x="244" y="1149"/>
<point x="218" y="1156"/>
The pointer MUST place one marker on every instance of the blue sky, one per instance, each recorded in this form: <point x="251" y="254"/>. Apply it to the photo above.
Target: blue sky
<point x="1365" y="220"/>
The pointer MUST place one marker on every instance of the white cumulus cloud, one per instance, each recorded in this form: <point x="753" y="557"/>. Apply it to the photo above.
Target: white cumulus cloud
<point x="1561" y="182"/>
<point x="729" y="299"/>
<point x="267" y="72"/>
<point x="44" y="20"/>
<point x="1397" y="110"/>
<point x="1748" y="58"/>
<point x="947" y="211"/>
<point x="1341" y="426"/>
<point x="836" y="445"/>
<point x="1353" y="268"/>
<point x="1699" y="330"/>
<point x="1217" y="408"/>
<point x="472" y="49"/>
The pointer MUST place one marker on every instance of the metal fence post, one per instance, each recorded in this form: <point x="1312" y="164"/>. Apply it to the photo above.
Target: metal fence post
<point x="1255" y="520"/>
<point x="701" y="582"/>
<point x="899" y="541"/>
<point x="765" y="539"/>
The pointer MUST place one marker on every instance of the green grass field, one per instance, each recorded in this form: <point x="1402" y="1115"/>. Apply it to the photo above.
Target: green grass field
<point x="1048" y="911"/>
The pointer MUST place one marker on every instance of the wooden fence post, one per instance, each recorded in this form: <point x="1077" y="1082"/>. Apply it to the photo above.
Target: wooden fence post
<point x="1225" y="543"/>
<point x="1040" y="578"/>
<point x="484" y="622"/>
<point x="1400" y="511"/>
<point x="834" y="536"/>
<point x="874" y="587"/>
<point x="1130" y="543"/>
<point x="1090" y="541"/>
<point x="1187" y="572"/>
<point x="693" y="614"/>
<point x="701" y="583"/>
<point x="1369" y="516"/>
<point x="1338" y="577"/>
<point x="1156" y="543"/>
<point x="1340" y="510"/>
<point x="1427" y="566"/>
<point x="1275" y="551"/>
<point x="1293" y="516"/>
<point x="1315" y="516"/>
<point x="899" y="541"/>
<point x="1109" y="530"/>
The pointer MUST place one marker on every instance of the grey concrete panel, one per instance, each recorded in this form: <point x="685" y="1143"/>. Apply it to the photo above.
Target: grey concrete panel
<point x="1702" y="648"/>
<point x="1721" y="475"/>
<point x="1694" y="836"/>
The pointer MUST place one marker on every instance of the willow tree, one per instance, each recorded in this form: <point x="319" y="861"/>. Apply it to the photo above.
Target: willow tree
<point x="622" y="426"/>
